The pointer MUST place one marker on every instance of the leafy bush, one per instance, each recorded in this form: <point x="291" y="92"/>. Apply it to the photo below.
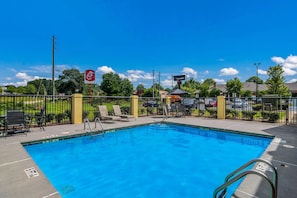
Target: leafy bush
<point x="249" y="114"/>
<point x="60" y="117"/>
<point x="231" y="113"/>
<point x="271" y="116"/>
<point x="50" y="117"/>
<point x="85" y="114"/>
<point x="212" y="111"/>
<point x="257" y="107"/>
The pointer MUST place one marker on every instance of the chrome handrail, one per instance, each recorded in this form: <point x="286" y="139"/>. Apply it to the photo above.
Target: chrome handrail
<point x="232" y="174"/>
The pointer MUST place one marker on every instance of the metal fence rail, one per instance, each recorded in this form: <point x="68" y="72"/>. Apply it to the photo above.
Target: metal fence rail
<point x="57" y="109"/>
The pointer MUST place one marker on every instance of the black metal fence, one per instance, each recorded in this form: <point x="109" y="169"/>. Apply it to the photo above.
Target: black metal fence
<point x="90" y="105"/>
<point x="57" y="109"/>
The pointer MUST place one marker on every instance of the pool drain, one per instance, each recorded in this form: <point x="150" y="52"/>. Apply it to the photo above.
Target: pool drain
<point x="31" y="172"/>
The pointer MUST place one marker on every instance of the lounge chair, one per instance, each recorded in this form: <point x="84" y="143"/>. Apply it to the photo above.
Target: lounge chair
<point x="117" y="112"/>
<point x="104" y="114"/>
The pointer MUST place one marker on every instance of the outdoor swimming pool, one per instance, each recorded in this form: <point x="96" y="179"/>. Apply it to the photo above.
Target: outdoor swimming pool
<point x="158" y="160"/>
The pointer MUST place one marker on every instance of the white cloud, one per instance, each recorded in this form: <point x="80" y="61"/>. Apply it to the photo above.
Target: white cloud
<point x="189" y="72"/>
<point x="219" y="81"/>
<point x="292" y="80"/>
<point x="26" y="77"/>
<point x="206" y="72"/>
<point x="105" y="69"/>
<point x="263" y="72"/>
<point x="167" y="83"/>
<point x="289" y="71"/>
<point x="289" y="64"/>
<point x="228" y="71"/>
<point x="221" y="59"/>
<point x="278" y="60"/>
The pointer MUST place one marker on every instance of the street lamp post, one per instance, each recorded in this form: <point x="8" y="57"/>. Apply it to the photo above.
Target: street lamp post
<point x="257" y="65"/>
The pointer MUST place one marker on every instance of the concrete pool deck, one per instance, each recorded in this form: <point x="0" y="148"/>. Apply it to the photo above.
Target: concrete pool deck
<point x="14" y="160"/>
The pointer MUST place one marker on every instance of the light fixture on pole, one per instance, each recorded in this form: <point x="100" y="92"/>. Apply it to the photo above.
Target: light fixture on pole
<point x="257" y="65"/>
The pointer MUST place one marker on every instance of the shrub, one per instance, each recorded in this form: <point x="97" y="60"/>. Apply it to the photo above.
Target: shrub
<point x="257" y="107"/>
<point x="271" y="116"/>
<point x="60" y="117"/>
<point x="249" y="114"/>
<point x="212" y="111"/>
<point x="50" y="117"/>
<point x="85" y="114"/>
<point x="231" y="113"/>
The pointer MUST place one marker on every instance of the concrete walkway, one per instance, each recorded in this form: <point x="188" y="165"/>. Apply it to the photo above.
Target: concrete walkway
<point x="14" y="160"/>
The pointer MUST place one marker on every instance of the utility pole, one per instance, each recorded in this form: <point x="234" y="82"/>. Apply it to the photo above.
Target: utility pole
<point x="153" y="83"/>
<point x="257" y="65"/>
<point x="53" y="65"/>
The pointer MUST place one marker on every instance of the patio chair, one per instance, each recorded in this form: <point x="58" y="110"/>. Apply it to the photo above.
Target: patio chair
<point x="104" y="114"/>
<point x="117" y="112"/>
<point x="40" y="119"/>
<point x="16" y="122"/>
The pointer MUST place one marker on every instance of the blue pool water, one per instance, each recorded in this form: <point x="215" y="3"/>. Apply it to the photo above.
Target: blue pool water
<point x="160" y="160"/>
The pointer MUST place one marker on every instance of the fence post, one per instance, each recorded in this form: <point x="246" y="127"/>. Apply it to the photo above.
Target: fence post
<point x="134" y="106"/>
<point x="76" y="109"/>
<point x="221" y="107"/>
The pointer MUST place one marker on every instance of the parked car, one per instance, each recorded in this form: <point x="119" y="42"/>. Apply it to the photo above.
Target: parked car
<point x="150" y="103"/>
<point x="239" y="103"/>
<point x="189" y="103"/>
<point x="210" y="102"/>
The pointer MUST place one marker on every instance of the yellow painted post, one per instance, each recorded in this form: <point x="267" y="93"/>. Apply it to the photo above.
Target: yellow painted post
<point x="134" y="106"/>
<point x="221" y="107"/>
<point x="76" y="109"/>
<point x="167" y="100"/>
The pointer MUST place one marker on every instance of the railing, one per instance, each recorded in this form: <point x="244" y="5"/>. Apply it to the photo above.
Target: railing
<point x="57" y="109"/>
<point x="237" y="174"/>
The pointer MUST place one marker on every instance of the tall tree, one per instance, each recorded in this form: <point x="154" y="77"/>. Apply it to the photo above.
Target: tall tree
<point x="234" y="87"/>
<point x="126" y="87"/>
<point x="276" y="81"/>
<point x="255" y="79"/>
<point x="71" y="81"/>
<point x="111" y="84"/>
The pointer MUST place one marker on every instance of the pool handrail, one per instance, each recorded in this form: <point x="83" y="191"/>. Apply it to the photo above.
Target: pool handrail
<point x="273" y="183"/>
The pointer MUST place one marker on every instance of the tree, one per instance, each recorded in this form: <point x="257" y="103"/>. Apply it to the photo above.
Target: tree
<point x="140" y="89"/>
<point x="30" y="89"/>
<point x="71" y="81"/>
<point x="126" y="87"/>
<point x="111" y="84"/>
<point x="192" y="84"/>
<point x="204" y="90"/>
<point x="234" y="87"/>
<point x="209" y="81"/>
<point x="214" y="92"/>
<point x="276" y="81"/>
<point x="11" y="89"/>
<point x="255" y="79"/>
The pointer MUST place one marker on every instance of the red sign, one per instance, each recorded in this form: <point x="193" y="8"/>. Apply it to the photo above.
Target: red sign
<point x="90" y="76"/>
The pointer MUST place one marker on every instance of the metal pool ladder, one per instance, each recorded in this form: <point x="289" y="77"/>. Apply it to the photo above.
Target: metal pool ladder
<point x="238" y="174"/>
<point x="86" y="121"/>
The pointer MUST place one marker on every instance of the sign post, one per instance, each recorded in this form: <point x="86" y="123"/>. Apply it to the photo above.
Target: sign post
<point x="90" y="78"/>
<point x="179" y="78"/>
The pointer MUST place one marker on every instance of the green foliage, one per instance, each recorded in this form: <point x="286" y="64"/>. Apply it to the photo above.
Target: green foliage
<point x="212" y="111"/>
<point x="113" y="85"/>
<point x="60" y="117"/>
<point x="204" y="90"/>
<point x="71" y="81"/>
<point x="50" y="117"/>
<point x="214" y="92"/>
<point x="271" y="116"/>
<point x="85" y="114"/>
<point x="257" y="107"/>
<point x="255" y="79"/>
<point x="276" y="81"/>
<point x="249" y="114"/>
<point x="231" y="113"/>
<point x="234" y="87"/>
<point x="246" y="93"/>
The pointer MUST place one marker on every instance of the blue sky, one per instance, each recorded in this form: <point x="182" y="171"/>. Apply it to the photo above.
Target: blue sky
<point x="202" y="39"/>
